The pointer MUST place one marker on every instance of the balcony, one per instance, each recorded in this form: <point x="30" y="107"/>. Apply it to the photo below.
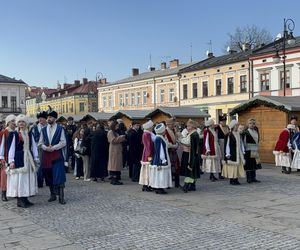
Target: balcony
<point x="12" y="110"/>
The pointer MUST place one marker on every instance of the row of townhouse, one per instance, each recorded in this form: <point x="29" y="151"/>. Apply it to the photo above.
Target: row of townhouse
<point x="215" y="84"/>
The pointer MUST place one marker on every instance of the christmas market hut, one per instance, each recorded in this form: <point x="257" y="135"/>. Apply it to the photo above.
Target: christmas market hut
<point x="272" y="114"/>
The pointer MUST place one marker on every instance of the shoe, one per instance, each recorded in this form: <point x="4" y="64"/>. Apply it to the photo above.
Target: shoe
<point x="185" y="187"/>
<point x="236" y="182"/>
<point x="231" y="181"/>
<point x="77" y="178"/>
<point x="160" y="191"/>
<point x="116" y="182"/>
<point x="192" y="187"/>
<point x="221" y="177"/>
<point x="213" y="178"/>
<point x="95" y="179"/>
<point x="26" y="201"/>
<point x="87" y="179"/>
<point x="257" y="181"/>
<point x="61" y="196"/>
<point x="21" y="203"/>
<point x="52" y="198"/>
<point x="3" y="196"/>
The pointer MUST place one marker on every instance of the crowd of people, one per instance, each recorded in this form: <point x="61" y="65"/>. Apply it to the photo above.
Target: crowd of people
<point x="155" y="154"/>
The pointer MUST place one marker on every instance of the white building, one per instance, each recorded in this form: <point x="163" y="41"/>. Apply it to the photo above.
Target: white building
<point x="12" y="96"/>
<point x="268" y="76"/>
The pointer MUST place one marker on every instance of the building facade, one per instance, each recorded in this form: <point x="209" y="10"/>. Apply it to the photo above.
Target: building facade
<point x="67" y="100"/>
<point x="12" y="96"/>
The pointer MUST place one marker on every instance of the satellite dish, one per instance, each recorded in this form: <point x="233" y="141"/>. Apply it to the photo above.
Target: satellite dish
<point x="228" y="49"/>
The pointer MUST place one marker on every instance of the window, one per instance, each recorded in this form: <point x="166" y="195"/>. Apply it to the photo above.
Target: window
<point x="230" y="85"/>
<point x="104" y="101"/>
<point x="81" y="107"/>
<point x="205" y="89"/>
<point x="4" y="102"/>
<point x="171" y="94"/>
<point x="109" y="102"/>
<point x="195" y="90"/>
<point x="265" y="81"/>
<point x="126" y="99"/>
<point x="185" y="91"/>
<point x="13" y="102"/>
<point x="219" y="87"/>
<point x="243" y="84"/>
<point x="138" y="98"/>
<point x="121" y="100"/>
<point x="162" y="95"/>
<point x="287" y="82"/>
<point x="132" y="99"/>
<point x="144" y="97"/>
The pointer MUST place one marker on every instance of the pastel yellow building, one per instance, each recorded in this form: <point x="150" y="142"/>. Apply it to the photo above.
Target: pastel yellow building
<point x="71" y="99"/>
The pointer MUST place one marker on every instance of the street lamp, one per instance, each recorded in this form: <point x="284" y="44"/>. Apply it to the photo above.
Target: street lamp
<point x="288" y="37"/>
<point x="99" y="76"/>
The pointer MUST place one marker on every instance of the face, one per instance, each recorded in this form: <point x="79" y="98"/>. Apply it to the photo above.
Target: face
<point x="294" y="121"/>
<point x="12" y="124"/>
<point x="251" y="124"/>
<point x="171" y="126"/>
<point x="81" y="132"/>
<point x="51" y="120"/>
<point x="241" y="128"/>
<point x="189" y="128"/>
<point x="223" y="123"/>
<point x="22" y="125"/>
<point x="42" y="120"/>
<point x="136" y="126"/>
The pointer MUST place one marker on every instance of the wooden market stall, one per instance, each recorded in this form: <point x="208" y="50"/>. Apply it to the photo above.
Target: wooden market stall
<point x="272" y="114"/>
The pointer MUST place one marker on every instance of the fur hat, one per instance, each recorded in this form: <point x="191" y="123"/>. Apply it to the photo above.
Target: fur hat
<point x="291" y="126"/>
<point x="209" y="122"/>
<point x="10" y="118"/>
<point x="42" y="114"/>
<point x="22" y="117"/>
<point x="160" y="128"/>
<point x="232" y="124"/>
<point x="192" y="123"/>
<point x="52" y="113"/>
<point x="223" y="117"/>
<point x="148" y="125"/>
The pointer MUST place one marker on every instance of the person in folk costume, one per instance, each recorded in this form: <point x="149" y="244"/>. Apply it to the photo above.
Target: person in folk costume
<point x="251" y="143"/>
<point x="282" y="149"/>
<point x="211" y="153"/>
<point x="36" y="132"/>
<point x="22" y="162"/>
<point x="222" y="130"/>
<point x="295" y="145"/>
<point x="147" y="139"/>
<point x="191" y="161"/>
<point x="53" y="142"/>
<point x="160" y="168"/>
<point x="172" y="149"/>
<point x="10" y="121"/>
<point x="233" y="165"/>
<point x="115" y="164"/>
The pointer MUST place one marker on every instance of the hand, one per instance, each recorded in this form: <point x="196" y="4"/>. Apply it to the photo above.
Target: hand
<point x="12" y="165"/>
<point x="149" y="158"/>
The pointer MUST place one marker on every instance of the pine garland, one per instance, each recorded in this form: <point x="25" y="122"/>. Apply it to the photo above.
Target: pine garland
<point x="255" y="103"/>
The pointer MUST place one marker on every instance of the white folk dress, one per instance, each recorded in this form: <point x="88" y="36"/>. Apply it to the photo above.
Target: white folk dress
<point x="22" y="182"/>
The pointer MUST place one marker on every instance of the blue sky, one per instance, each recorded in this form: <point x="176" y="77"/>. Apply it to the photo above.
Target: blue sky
<point x="45" y="41"/>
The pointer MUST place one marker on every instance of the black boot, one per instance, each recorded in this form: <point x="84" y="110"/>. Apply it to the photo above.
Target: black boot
<point x="26" y="201"/>
<point x="160" y="191"/>
<point x="231" y="181"/>
<point x="288" y="170"/>
<point x="61" y="196"/>
<point x="21" y="203"/>
<point x="248" y="174"/>
<point x="185" y="187"/>
<point x="236" y="181"/>
<point x="283" y="170"/>
<point x="221" y="177"/>
<point x="253" y="174"/>
<point x="212" y="177"/>
<point x="3" y="196"/>
<point x="192" y="187"/>
<point x="146" y="188"/>
<point x="52" y="194"/>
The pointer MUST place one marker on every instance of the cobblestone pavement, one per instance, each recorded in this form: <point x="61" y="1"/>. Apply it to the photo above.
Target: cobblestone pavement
<point x="216" y="216"/>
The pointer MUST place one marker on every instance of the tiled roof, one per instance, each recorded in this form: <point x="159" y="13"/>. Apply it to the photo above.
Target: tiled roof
<point x="218" y="61"/>
<point x="7" y="79"/>
<point x="151" y="74"/>
<point x="271" y="47"/>
<point x="284" y="103"/>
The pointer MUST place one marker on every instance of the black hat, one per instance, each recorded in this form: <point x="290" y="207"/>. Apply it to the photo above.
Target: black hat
<point x="42" y="114"/>
<point x="70" y="118"/>
<point x="52" y="113"/>
<point x="293" y="117"/>
<point x="223" y="117"/>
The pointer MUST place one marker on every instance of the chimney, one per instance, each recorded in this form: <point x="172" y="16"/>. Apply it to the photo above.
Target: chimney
<point x="135" y="71"/>
<point x="76" y="82"/>
<point x="246" y="46"/>
<point x="84" y="80"/>
<point x="210" y="54"/>
<point x="174" y="63"/>
<point x="152" y="68"/>
<point x="163" y="65"/>
<point x="102" y="81"/>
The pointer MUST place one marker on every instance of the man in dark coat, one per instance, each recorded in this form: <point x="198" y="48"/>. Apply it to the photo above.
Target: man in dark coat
<point x="135" y="150"/>
<point x="99" y="153"/>
<point x="70" y="130"/>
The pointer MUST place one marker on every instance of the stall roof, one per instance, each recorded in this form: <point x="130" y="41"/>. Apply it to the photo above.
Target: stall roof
<point x="98" y="116"/>
<point x="284" y="103"/>
<point x="191" y="112"/>
<point x="131" y="114"/>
